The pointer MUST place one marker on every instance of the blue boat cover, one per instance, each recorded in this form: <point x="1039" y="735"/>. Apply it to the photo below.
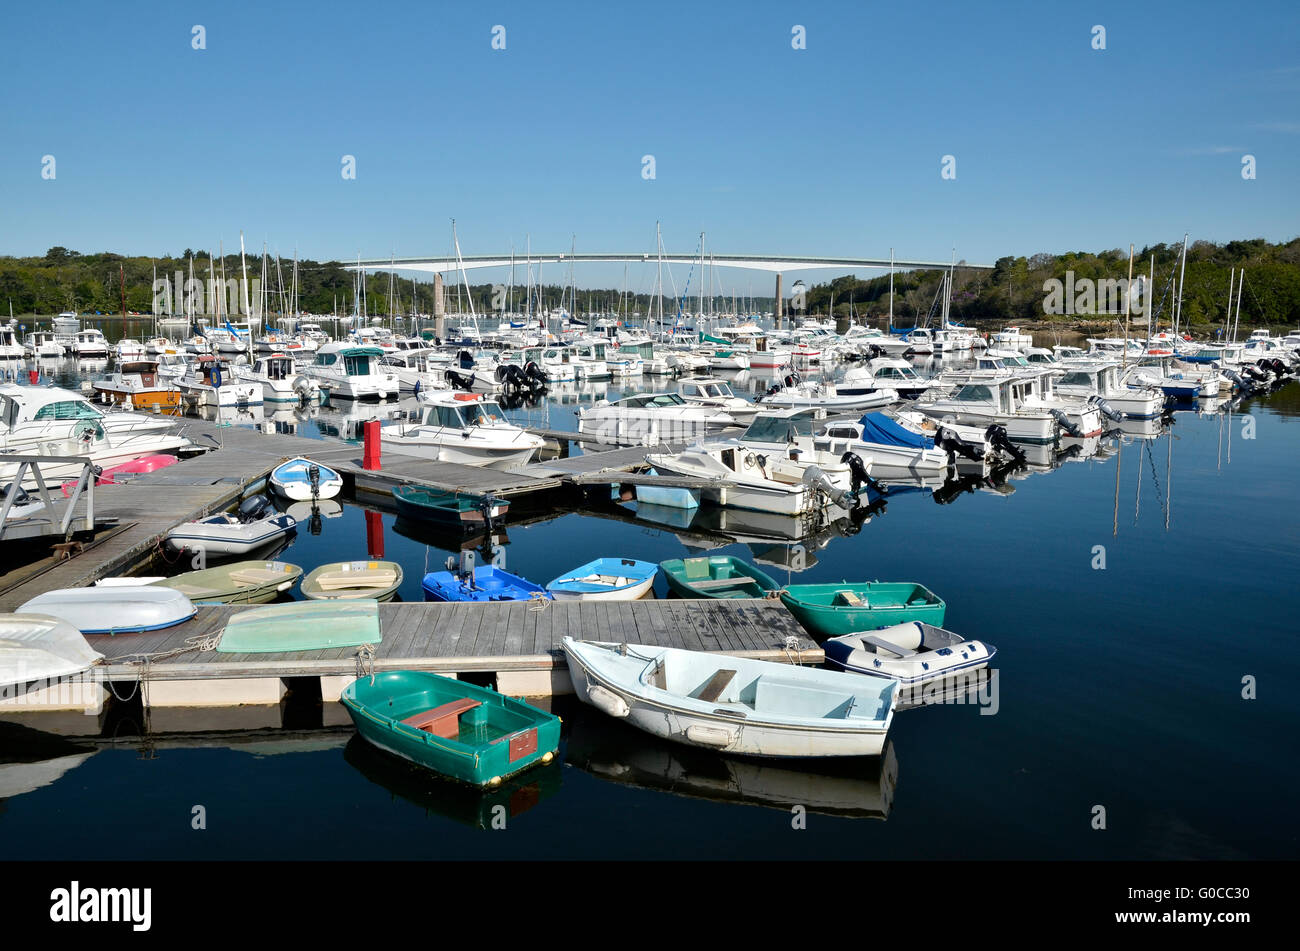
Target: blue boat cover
<point x="879" y="428"/>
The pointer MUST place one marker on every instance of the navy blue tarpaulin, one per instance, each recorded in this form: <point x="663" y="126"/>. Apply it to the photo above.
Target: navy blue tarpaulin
<point x="879" y="428"/>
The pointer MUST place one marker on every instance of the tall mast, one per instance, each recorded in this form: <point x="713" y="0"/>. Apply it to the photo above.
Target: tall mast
<point x="1128" y="306"/>
<point x="1182" y="271"/>
<point x="1227" y="320"/>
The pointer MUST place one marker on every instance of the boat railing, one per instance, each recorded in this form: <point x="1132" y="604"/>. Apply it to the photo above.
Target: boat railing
<point x="85" y="484"/>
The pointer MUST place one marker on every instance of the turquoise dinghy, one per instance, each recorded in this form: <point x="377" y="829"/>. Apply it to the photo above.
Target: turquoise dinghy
<point x="461" y="730"/>
<point x="302" y="626"/>
<point x="605" y="579"/>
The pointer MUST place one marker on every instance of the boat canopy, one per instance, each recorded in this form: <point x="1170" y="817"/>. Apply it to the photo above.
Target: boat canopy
<point x="879" y="428"/>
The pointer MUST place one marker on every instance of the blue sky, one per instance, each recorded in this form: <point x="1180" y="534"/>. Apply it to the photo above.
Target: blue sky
<point x="835" y="149"/>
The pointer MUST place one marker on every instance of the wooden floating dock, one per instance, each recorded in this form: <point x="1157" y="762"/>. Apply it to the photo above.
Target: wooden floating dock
<point x="518" y="642"/>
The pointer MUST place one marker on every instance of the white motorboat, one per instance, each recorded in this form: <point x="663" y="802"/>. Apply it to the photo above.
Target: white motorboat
<point x="41" y="647"/>
<point x="11" y="347"/>
<point x="50" y="421"/>
<point x="419" y="370"/>
<point x="1101" y="379"/>
<point x="733" y="704"/>
<point x="914" y="653"/>
<point x="301" y="480"/>
<point x="715" y="392"/>
<point x="894" y="450"/>
<point x="113" y="610"/>
<point x="210" y="382"/>
<point x="794" y="392"/>
<point x="740" y="477"/>
<point x="353" y="372"/>
<point x="254" y="525"/>
<point x="887" y="373"/>
<point x="1011" y="338"/>
<point x="90" y="343"/>
<point x="280" y="380"/>
<point x="650" y="418"/>
<point x="462" y="427"/>
<point x="129" y="349"/>
<point x="989" y="401"/>
<point x="42" y="343"/>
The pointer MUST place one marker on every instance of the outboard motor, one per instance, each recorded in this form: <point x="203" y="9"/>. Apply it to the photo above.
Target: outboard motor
<point x="458" y="381"/>
<point x="1106" y="409"/>
<point x="1278" y="367"/>
<point x="814" y="476"/>
<point x="253" y="508"/>
<point x="534" y="373"/>
<point x="860" y="476"/>
<point x="771" y="391"/>
<point x="313" y="476"/>
<point x="999" y="440"/>
<point x="466" y="360"/>
<point x="1064" y="421"/>
<point x="948" y="441"/>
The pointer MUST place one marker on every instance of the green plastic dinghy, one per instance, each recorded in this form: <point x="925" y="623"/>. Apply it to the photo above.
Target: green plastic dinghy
<point x="302" y="626"/>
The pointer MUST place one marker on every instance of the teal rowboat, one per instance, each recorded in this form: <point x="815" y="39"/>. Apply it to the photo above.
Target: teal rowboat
<point x="717" y="576"/>
<point x="302" y="626"/>
<point x="832" y="610"/>
<point x="460" y="730"/>
<point x="445" y="507"/>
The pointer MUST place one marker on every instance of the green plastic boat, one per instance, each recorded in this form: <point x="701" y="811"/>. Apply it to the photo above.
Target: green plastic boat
<point x="716" y="576"/>
<point x="830" y="610"/>
<point x="243" y="582"/>
<point x="448" y="508"/>
<point x="302" y="626"/>
<point x="460" y="730"/>
<point x="353" y="580"/>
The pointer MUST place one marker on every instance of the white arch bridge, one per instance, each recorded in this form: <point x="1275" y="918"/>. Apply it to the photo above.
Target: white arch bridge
<point x="754" y="262"/>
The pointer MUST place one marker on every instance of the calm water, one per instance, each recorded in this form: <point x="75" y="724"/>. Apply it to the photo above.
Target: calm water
<point x="1119" y="687"/>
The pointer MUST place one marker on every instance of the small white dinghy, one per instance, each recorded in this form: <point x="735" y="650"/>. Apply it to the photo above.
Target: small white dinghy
<point x="41" y="647"/>
<point x="300" y="480"/>
<point x="914" y="653"/>
<point x="113" y="610"/>
<point x="256" y="524"/>
<point x="734" y="704"/>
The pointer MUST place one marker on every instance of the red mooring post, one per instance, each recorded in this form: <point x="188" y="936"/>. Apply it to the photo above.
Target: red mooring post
<point x="370" y="455"/>
<point x="33" y="377"/>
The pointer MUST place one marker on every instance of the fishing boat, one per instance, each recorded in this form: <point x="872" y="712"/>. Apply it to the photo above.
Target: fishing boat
<point x="301" y="626"/>
<point x="605" y="579"/>
<point x="35" y="647"/>
<point x="446" y="507"/>
<point x="717" y="576"/>
<point x="350" y="580"/>
<point x="463" y="428"/>
<point x="734" y="704"/>
<point x="241" y="582"/>
<point x="280" y="380"/>
<point x="486" y="583"/>
<point x="830" y="610"/>
<point x="210" y="382"/>
<point x="894" y="450"/>
<point x="138" y="383"/>
<point x="649" y="418"/>
<point x="256" y="524"/>
<point x="300" y="480"/>
<point x="353" y="372"/>
<point x="457" y="729"/>
<point x="914" y="653"/>
<point x="115" y="610"/>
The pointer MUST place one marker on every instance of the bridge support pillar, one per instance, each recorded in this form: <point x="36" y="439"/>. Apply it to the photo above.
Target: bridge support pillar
<point x="439" y="308"/>
<point x="776" y="311"/>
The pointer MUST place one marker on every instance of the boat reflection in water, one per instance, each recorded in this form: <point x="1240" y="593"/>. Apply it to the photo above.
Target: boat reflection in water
<point x="463" y="803"/>
<point x="31" y="759"/>
<point x="856" y="787"/>
<point x="452" y="540"/>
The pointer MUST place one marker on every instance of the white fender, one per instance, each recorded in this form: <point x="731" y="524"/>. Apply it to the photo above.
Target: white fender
<point x="718" y="736"/>
<point x="607" y="701"/>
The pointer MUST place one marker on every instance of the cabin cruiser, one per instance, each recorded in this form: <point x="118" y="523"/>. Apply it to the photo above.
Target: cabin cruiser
<point x="419" y="370"/>
<point x="129" y="349"/>
<point x="793" y="391"/>
<point x="1101" y="379"/>
<point x="42" y="343"/>
<point x="787" y="434"/>
<point x="895" y="450"/>
<point x="280" y="380"/>
<point x="51" y="421"/>
<point x="984" y="401"/>
<point x="650" y="418"/>
<point x="210" y="382"/>
<point x="736" y="476"/>
<point x="353" y="372"/>
<point x="1175" y="378"/>
<point x="1011" y="338"/>
<point x="888" y="373"/>
<point x="715" y="392"/>
<point x="90" y="343"/>
<point x="465" y="428"/>
<point x="10" y="347"/>
<point x="137" y="383"/>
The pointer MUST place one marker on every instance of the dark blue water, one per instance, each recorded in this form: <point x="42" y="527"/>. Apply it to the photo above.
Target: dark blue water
<point x="1119" y="687"/>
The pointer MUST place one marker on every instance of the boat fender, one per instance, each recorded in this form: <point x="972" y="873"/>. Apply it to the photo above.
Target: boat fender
<point x="607" y="701"/>
<point x="710" y="735"/>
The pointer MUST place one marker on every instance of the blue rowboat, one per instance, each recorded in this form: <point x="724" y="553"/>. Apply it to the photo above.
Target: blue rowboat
<point x="488" y="583"/>
<point x="605" y="579"/>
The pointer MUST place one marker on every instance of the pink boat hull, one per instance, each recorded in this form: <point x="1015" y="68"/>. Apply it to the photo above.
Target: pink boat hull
<point x="143" y="464"/>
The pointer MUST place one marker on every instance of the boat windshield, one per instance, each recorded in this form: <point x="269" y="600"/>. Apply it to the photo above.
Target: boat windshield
<point x="1077" y="378"/>
<point x="483" y="414"/>
<point x="778" y="428"/>
<point x="974" y="393"/>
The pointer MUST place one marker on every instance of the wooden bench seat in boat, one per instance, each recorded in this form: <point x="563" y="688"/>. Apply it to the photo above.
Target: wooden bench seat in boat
<point x="443" y="721"/>
<point x="333" y="580"/>
<point x="849" y="599"/>
<point x="713" y="688"/>
<point x="732" y="582"/>
<point x="892" y="648"/>
<point x="256" y="576"/>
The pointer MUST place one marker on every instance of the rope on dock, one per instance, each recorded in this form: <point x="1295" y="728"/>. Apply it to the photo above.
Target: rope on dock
<point x="538" y="601"/>
<point x="366" y="662"/>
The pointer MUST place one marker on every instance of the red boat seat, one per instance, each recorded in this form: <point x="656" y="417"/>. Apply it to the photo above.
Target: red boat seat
<point x="444" y="720"/>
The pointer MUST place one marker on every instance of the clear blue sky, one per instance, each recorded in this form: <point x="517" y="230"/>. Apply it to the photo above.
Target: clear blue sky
<point x="834" y="149"/>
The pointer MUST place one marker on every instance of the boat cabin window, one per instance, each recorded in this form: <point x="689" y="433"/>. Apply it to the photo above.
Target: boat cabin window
<point x="9" y="412"/>
<point x="356" y="364"/>
<point x="838" y="432"/>
<point x="779" y="428"/>
<point x="326" y="359"/>
<point x="1077" y="378"/>
<point x="68" y="409"/>
<point x="974" y="393"/>
<point x="483" y="414"/>
<point x="279" y="369"/>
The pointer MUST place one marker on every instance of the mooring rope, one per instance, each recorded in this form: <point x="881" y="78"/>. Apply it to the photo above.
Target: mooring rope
<point x="366" y="662"/>
<point x="538" y="601"/>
